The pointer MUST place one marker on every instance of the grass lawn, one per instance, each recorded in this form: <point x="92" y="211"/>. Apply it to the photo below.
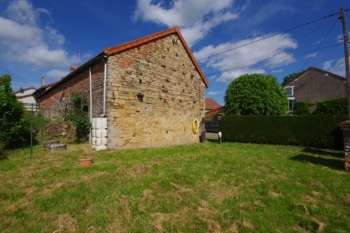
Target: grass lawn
<point x="208" y="187"/>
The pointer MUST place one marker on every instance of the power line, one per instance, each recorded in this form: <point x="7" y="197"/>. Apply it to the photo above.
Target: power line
<point x="264" y="38"/>
<point x="242" y="63"/>
<point x="241" y="66"/>
<point x="319" y="45"/>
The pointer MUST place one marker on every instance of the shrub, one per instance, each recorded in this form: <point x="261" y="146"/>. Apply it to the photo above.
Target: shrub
<point x="255" y="94"/>
<point x="302" y="108"/>
<point x="314" y="131"/>
<point x="331" y="107"/>
<point x="78" y="116"/>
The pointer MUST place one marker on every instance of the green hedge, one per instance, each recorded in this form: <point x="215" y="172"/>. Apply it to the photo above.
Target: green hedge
<point x="332" y="107"/>
<point x="314" y="131"/>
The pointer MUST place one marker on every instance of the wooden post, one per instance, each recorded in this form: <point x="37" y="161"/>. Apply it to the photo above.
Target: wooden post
<point x="346" y="52"/>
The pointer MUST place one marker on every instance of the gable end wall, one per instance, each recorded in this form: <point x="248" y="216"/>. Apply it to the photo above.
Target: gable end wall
<point x="154" y="93"/>
<point x="314" y="86"/>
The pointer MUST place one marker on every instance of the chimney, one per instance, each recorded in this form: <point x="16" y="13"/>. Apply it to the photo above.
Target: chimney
<point x="73" y="68"/>
<point x="42" y="81"/>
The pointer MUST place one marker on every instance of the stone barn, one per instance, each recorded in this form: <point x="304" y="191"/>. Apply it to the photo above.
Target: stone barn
<point x="149" y="92"/>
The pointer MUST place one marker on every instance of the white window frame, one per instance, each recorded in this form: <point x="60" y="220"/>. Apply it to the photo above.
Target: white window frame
<point x="292" y="87"/>
<point x="293" y="103"/>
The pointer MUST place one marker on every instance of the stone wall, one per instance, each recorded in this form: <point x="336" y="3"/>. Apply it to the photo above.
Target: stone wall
<point x="60" y="129"/>
<point x="56" y="100"/>
<point x="154" y="93"/>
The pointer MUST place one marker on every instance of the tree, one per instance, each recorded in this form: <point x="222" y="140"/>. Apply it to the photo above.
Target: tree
<point x="14" y="128"/>
<point x="290" y="77"/>
<point x="255" y="94"/>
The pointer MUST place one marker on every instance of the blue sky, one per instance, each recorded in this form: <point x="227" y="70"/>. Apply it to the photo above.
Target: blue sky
<point x="45" y="38"/>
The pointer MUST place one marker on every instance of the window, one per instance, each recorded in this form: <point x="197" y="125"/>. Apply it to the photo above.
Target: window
<point x="289" y="90"/>
<point x="291" y="104"/>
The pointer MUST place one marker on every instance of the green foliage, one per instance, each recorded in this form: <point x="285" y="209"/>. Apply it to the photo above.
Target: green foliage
<point x="78" y="116"/>
<point x="331" y="107"/>
<point x="14" y="126"/>
<point x="290" y="77"/>
<point x="302" y="109"/>
<point x="315" y="131"/>
<point x="255" y="94"/>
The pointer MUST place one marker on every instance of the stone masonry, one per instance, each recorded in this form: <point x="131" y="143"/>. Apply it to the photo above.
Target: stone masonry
<point x="154" y="94"/>
<point x="154" y="91"/>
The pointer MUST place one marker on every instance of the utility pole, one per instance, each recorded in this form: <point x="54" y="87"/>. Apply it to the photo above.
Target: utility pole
<point x="346" y="51"/>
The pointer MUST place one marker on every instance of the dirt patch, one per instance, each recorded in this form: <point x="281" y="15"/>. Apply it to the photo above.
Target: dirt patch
<point x="124" y="203"/>
<point x="320" y="225"/>
<point x="241" y="226"/>
<point x="275" y="194"/>
<point x="309" y="199"/>
<point x="316" y="194"/>
<point x="316" y="184"/>
<point x="159" y="219"/>
<point x="88" y="178"/>
<point x="65" y="223"/>
<point x="219" y="192"/>
<point x="147" y="195"/>
<point x="135" y="171"/>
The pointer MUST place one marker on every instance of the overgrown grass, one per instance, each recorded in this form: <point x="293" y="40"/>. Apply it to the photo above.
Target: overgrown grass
<point x="208" y="187"/>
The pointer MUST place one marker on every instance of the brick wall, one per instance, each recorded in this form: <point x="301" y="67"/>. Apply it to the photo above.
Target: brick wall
<point x="77" y="84"/>
<point x="154" y="93"/>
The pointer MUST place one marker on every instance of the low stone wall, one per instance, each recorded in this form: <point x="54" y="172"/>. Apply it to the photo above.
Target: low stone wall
<point x="60" y="129"/>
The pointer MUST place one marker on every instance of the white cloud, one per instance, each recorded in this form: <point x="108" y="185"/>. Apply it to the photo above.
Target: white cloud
<point x="277" y="71"/>
<point x="56" y="74"/>
<point x="23" y="12"/>
<point x="328" y="64"/>
<point x="242" y="59"/>
<point x="229" y="76"/>
<point x="311" y="55"/>
<point x="12" y="32"/>
<point x="338" y="67"/>
<point x="24" y="40"/>
<point x="194" y="17"/>
<point x="214" y="92"/>
<point x="41" y="56"/>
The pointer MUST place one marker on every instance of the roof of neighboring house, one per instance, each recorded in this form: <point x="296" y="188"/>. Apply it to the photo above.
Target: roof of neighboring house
<point x="210" y="103"/>
<point x="215" y="110"/>
<point x="49" y="85"/>
<point x="44" y="88"/>
<point x="25" y="89"/>
<point x="24" y="96"/>
<point x="311" y="68"/>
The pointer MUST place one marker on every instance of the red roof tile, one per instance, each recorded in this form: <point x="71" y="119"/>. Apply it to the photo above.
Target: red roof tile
<point x="210" y="104"/>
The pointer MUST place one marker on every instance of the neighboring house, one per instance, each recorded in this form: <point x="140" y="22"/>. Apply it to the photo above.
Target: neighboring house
<point x="213" y="115"/>
<point x="314" y="85"/>
<point x="211" y="104"/>
<point x="25" y="96"/>
<point x="42" y="89"/>
<point x="149" y="90"/>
